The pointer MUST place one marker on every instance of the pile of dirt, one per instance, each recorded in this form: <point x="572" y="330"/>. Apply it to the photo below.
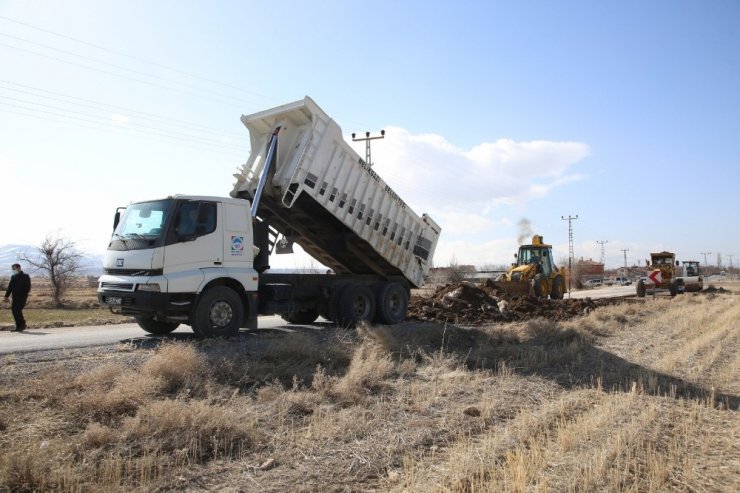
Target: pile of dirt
<point x="713" y="289"/>
<point x="469" y="304"/>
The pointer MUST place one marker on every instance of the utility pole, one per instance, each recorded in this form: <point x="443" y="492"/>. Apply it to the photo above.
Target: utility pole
<point x="705" y="257"/>
<point x="625" y="250"/>
<point x="570" y="220"/>
<point x="367" y="140"/>
<point x="602" y="250"/>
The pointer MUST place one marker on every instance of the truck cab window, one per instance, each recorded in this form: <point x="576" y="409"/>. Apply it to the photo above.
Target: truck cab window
<point x="195" y="219"/>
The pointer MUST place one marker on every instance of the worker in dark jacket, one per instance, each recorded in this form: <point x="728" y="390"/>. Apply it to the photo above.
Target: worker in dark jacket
<point x="19" y="287"/>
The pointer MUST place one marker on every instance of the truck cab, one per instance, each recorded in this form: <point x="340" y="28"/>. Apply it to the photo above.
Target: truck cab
<point x="165" y="255"/>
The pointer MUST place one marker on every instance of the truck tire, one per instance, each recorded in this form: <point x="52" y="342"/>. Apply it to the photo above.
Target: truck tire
<point x="156" y="327"/>
<point x="356" y="304"/>
<point x="392" y="303"/>
<point x="219" y="313"/>
<point x="640" y="288"/>
<point x="302" y="317"/>
<point x="558" y="289"/>
<point x="334" y="301"/>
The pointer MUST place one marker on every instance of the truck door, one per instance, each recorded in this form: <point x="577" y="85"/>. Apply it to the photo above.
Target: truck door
<point x="193" y="243"/>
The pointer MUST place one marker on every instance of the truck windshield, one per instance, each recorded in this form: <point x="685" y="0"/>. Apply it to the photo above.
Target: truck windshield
<point x="142" y="225"/>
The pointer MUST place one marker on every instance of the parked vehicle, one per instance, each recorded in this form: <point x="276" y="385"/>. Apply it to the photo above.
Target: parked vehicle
<point x="593" y="283"/>
<point x="204" y="261"/>
<point x="618" y="281"/>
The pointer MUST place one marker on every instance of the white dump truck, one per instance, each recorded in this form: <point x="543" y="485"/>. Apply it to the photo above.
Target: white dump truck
<point x="204" y="261"/>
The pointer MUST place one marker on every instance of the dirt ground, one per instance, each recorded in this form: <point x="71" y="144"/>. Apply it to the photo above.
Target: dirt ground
<point x="633" y="396"/>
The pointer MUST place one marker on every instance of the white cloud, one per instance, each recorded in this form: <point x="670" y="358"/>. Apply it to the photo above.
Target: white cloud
<point x="429" y="171"/>
<point x="473" y="194"/>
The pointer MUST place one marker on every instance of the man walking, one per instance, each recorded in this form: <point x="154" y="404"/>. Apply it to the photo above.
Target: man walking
<point x="19" y="287"/>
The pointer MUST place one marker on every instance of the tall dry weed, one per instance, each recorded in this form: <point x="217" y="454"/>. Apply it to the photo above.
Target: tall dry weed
<point x="201" y="430"/>
<point x="368" y="371"/>
<point x="177" y="367"/>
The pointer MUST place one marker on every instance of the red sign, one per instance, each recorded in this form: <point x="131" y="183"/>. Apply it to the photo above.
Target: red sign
<point x="655" y="277"/>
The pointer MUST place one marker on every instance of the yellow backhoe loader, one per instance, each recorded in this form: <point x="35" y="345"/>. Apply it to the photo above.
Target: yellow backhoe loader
<point x="534" y="273"/>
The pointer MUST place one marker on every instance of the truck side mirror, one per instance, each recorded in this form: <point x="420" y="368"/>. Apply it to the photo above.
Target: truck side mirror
<point x="117" y="217"/>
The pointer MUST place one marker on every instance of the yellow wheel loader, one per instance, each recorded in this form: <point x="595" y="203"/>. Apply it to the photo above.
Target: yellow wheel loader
<point x="534" y="273"/>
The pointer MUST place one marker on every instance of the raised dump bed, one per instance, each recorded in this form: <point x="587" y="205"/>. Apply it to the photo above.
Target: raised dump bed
<point x="321" y="195"/>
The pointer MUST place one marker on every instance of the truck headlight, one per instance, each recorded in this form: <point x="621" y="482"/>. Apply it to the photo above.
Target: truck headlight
<point x="152" y="288"/>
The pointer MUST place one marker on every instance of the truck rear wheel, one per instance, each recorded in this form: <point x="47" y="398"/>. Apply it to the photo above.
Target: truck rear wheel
<point x="219" y="313"/>
<point x="356" y="304"/>
<point x="156" y="327"/>
<point x="392" y="303"/>
<point x="302" y="317"/>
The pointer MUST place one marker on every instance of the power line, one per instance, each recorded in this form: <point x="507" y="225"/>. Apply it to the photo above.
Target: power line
<point x="123" y="76"/>
<point x="106" y="121"/>
<point x="138" y="59"/>
<point x="68" y="119"/>
<point x="99" y="106"/>
<point x="109" y="64"/>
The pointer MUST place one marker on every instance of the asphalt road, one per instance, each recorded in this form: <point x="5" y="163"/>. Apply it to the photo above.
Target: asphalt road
<point x="102" y="335"/>
<point x="604" y="292"/>
<point x="32" y="340"/>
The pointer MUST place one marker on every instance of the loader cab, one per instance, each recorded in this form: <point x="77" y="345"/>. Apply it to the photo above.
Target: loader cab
<point x="539" y="255"/>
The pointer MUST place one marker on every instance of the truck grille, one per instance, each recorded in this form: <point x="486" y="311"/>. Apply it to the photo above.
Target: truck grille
<point x="116" y="286"/>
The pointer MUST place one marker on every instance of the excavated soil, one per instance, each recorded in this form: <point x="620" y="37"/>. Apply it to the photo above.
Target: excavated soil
<point x="470" y="304"/>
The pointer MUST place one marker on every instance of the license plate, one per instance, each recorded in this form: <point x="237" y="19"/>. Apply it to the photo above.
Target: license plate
<point x="114" y="300"/>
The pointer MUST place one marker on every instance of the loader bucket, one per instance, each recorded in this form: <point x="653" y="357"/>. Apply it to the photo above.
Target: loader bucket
<point x="512" y="288"/>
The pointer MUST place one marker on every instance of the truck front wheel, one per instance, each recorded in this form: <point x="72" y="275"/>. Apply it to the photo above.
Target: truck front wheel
<point x="156" y="327"/>
<point x="219" y="313"/>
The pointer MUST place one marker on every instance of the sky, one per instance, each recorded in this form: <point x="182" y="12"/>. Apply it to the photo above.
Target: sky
<point x="501" y="117"/>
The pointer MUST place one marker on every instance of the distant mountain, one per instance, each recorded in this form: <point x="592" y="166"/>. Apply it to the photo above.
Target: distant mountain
<point x="90" y="264"/>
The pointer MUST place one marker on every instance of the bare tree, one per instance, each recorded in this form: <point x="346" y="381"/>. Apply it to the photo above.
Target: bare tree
<point x="458" y="272"/>
<point x="58" y="260"/>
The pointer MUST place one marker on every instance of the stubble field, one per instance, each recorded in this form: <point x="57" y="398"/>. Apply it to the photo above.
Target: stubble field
<point x="633" y="397"/>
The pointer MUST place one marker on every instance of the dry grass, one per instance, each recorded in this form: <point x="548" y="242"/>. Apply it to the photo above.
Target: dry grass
<point x="80" y="308"/>
<point x="639" y="397"/>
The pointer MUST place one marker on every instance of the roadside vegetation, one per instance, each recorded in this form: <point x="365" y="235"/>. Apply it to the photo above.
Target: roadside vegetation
<point x="634" y="397"/>
<point x="79" y="306"/>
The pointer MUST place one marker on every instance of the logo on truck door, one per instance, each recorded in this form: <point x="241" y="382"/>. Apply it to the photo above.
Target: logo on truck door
<point x="237" y="245"/>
